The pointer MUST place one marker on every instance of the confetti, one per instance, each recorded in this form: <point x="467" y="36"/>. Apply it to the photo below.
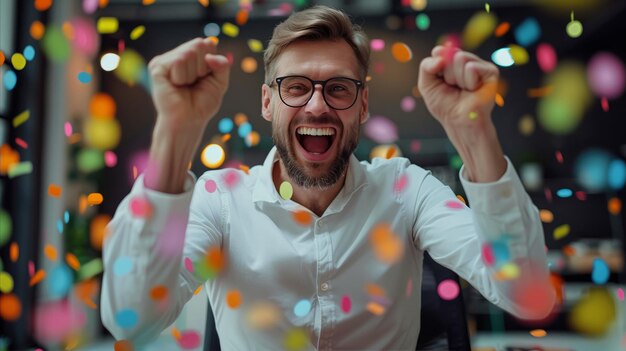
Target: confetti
<point x="346" y="304"/>
<point x="204" y="3"/>
<point x="375" y="308"/>
<point x="604" y="102"/>
<point x="231" y="178"/>
<point x="147" y="2"/>
<point x="230" y="29"/>
<point x="54" y="190"/>
<point x="122" y="266"/>
<point x="546" y="57"/>
<point x="473" y="115"/>
<point x="479" y="27"/>
<point x="60" y="226"/>
<point x="18" y="61"/>
<point x="55" y="45"/>
<point x="42" y="5"/>
<point x="123" y="345"/>
<point x="14" y="252"/>
<point x="564" y="193"/>
<point x="9" y="80"/>
<point x="538" y="333"/>
<point x="448" y="289"/>
<point x="198" y="290"/>
<point x="90" y="269"/>
<point x="50" y="252"/>
<point x="381" y="130"/>
<point x="234" y="299"/>
<point x="388" y="247"/>
<point x="189" y="339"/>
<point x="29" y="53"/>
<point x="614" y="206"/>
<point x="508" y="271"/>
<point x="109" y="62"/>
<point x="528" y="32"/>
<point x="95" y="199"/>
<point x="487" y="7"/>
<point x="574" y="28"/>
<point x="502" y="57"/>
<point x="107" y="25"/>
<point x="158" y="292"/>
<point x="401" y="52"/>
<point x="502" y="29"/>
<point x="561" y="231"/>
<point x="84" y="77"/>
<point x="594" y="314"/>
<point x="110" y="158"/>
<point x="242" y="17"/>
<point x="601" y="272"/>
<point x="255" y="45"/>
<point x="72" y="261"/>
<point x="409" y="287"/>
<point x="286" y="190"/>
<point x="620" y="294"/>
<point x="188" y="264"/>
<point x="263" y="315"/>
<point x="302" y="308"/>
<point x="296" y="339"/>
<point x="2" y="57"/>
<point x="546" y="216"/>
<point x="499" y="100"/>
<point x="422" y="21"/>
<point x="140" y="207"/>
<point x="606" y="75"/>
<point x="249" y="64"/>
<point x="488" y="255"/>
<point x="302" y="217"/>
<point x="127" y="318"/>
<point x="21" y="118"/>
<point x="11" y="307"/>
<point x="454" y="205"/>
<point x="244" y="129"/>
<point x="6" y="282"/>
<point x="21" y="143"/>
<point x="377" y="44"/>
<point x="37" y="277"/>
<point x="210" y="186"/>
<point x="401" y="183"/>
<point x="213" y="156"/>
<point x="519" y="54"/>
<point x="37" y="30"/>
<point x="60" y="281"/>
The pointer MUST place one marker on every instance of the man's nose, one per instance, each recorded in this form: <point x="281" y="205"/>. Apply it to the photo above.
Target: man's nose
<point x="317" y="105"/>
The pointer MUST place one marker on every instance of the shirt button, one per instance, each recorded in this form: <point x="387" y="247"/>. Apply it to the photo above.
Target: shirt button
<point x="325" y="286"/>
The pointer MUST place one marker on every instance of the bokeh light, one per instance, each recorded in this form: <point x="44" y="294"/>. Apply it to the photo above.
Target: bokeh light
<point x="594" y="314"/>
<point x="213" y="156"/>
<point x="502" y="57"/>
<point x="606" y="75"/>
<point x="109" y="61"/>
<point x="479" y="27"/>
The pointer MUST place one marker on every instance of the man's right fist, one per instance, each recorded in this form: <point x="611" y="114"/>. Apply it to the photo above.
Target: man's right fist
<point x="188" y="84"/>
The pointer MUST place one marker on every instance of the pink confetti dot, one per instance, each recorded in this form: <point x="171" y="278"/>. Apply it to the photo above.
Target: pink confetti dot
<point x="68" y="129"/>
<point x="377" y="44"/>
<point x="407" y="104"/>
<point x="488" y="256"/>
<point x="416" y="146"/>
<point x="448" y="289"/>
<point x="140" y="207"/>
<point x="400" y="183"/>
<point x="110" y="158"/>
<point x="188" y="264"/>
<point x="546" y="57"/>
<point x="231" y="178"/>
<point x="210" y="186"/>
<point x="409" y="287"/>
<point x="346" y="304"/>
<point x="455" y="205"/>
<point x="620" y="294"/>
<point x="381" y="129"/>
<point x="189" y="339"/>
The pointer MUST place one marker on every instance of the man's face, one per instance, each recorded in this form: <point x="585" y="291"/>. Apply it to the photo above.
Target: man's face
<point x="315" y="141"/>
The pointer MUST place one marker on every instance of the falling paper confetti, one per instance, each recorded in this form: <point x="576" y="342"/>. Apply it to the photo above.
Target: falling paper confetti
<point x="601" y="272"/>
<point x="448" y="289"/>
<point x="561" y="231"/>
<point x="286" y="190"/>
<point x="107" y="25"/>
<point x="346" y="304"/>
<point x="126" y="318"/>
<point x="233" y="299"/>
<point x="302" y="308"/>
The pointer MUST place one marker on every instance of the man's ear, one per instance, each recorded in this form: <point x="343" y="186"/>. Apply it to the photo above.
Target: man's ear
<point x="365" y="113"/>
<point x="266" y="99"/>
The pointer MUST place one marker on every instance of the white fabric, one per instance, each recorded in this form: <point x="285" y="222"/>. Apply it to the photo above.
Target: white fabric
<point x="273" y="259"/>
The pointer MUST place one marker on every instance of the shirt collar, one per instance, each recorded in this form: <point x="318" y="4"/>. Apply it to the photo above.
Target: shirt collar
<point x="264" y="190"/>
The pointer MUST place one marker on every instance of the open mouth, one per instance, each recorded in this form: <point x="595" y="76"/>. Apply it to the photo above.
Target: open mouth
<point x="316" y="141"/>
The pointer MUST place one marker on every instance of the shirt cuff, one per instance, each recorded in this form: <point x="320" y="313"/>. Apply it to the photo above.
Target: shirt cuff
<point x="490" y="197"/>
<point x="163" y="205"/>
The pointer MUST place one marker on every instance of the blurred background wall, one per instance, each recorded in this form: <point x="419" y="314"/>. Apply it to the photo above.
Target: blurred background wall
<point x="76" y="121"/>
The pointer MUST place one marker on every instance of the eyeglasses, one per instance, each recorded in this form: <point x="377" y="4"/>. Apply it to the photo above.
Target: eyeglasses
<point x="340" y="93"/>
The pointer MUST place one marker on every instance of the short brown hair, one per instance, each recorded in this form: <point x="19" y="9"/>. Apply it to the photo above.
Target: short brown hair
<point x="317" y="23"/>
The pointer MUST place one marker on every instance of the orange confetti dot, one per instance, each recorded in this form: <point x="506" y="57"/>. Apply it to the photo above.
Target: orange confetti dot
<point x="82" y="204"/>
<point x="615" y="206"/>
<point x="198" y="289"/>
<point x="158" y="292"/>
<point x="538" y="333"/>
<point x="8" y="158"/>
<point x="103" y="3"/>
<point x="375" y="308"/>
<point x="123" y="345"/>
<point x="302" y="217"/>
<point x="245" y="168"/>
<point x="569" y="250"/>
<point x="147" y="2"/>
<point x="240" y="118"/>
<point x="502" y="29"/>
<point x="98" y="230"/>
<point x="546" y="216"/>
<point x="226" y="137"/>
<point x="11" y="307"/>
<point x="176" y="333"/>
<point x="14" y="252"/>
<point x="68" y="30"/>
<point x="390" y="152"/>
<point x="37" y="30"/>
<point x="102" y="105"/>
<point x="37" y="277"/>
<point x="375" y="290"/>
<point x="242" y="17"/>
<point x="215" y="40"/>
<point x="499" y="100"/>
<point x="2" y="58"/>
<point x="204" y="3"/>
<point x="72" y="261"/>
<point x="50" y="252"/>
<point x="42" y="5"/>
<point x="215" y="259"/>
<point x="461" y="199"/>
<point x="95" y="199"/>
<point x="233" y="299"/>
<point x="387" y="246"/>
<point x="401" y="52"/>
<point x="54" y="190"/>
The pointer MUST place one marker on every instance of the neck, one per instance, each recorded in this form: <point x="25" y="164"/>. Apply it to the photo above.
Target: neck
<point x="313" y="198"/>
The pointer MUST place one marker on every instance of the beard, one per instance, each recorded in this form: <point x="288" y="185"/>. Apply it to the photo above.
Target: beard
<point x="298" y="172"/>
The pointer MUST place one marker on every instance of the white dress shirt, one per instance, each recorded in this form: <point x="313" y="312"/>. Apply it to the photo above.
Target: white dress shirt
<point x="361" y="296"/>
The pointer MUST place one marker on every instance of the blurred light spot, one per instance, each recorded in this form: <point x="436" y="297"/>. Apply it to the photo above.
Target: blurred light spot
<point x="137" y="32"/>
<point x="109" y="61"/>
<point x="528" y="32"/>
<point x="377" y="44"/>
<point x="230" y="29"/>
<point x="448" y="289"/>
<point x="107" y="25"/>
<point x="601" y="272"/>
<point x="401" y="52"/>
<point x="212" y="30"/>
<point x="422" y="21"/>
<point x="561" y="231"/>
<point x="213" y="156"/>
<point x="564" y="193"/>
<point x="538" y="333"/>
<point x="479" y="27"/>
<point x="249" y="64"/>
<point x="502" y="57"/>
<point x="234" y="299"/>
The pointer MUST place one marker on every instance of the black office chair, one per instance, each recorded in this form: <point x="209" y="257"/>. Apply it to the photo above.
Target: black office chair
<point x="446" y="326"/>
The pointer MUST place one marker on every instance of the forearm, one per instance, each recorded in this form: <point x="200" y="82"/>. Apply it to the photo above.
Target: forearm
<point x="480" y="150"/>
<point x="170" y="154"/>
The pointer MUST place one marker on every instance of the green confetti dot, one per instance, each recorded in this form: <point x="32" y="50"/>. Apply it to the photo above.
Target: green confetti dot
<point x="574" y="29"/>
<point x="6" y="226"/>
<point x="55" y="45"/>
<point x="6" y="283"/>
<point x="422" y="21"/>
<point x="286" y="190"/>
<point x="456" y="162"/>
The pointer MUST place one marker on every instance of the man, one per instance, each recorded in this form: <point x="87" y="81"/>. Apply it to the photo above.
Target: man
<point x="336" y="262"/>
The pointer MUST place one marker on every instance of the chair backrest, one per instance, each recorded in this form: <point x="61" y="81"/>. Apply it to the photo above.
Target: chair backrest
<point x="443" y="325"/>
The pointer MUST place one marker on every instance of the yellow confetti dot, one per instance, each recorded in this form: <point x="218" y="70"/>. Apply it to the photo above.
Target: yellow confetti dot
<point x="72" y="261"/>
<point x="18" y="61"/>
<point x="487" y="7"/>
<point x="50" y="252"/>
<point x="519" y="54"/>
<point x="255" y="45"/>
<point x="21" y="118"/>
<point x="401" y="52"/>
<point x="538" y="333"/>
<point x="6" y="283"/>
<point x="233" y="299"/>
<point x="95" y="199"/>
<point x="510" y="271"/>
<point x="561" y="231"/>
<point x="526" y="125"/>
<point x="37" y="30"/>
<point x="473" y="115"/>
<point x="286" y="190"/>
<point x="546" y="216"/>
<point x="107" y="25"/>
<point x="230" y="29"/>
<point x="375" y="308"/>
<point x="137" y="32"/>
<point x="479" y="27"/>
<point x="296" y="339"/>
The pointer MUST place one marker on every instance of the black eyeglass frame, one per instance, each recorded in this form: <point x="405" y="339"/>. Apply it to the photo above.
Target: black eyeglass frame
<point x="358" y="83"/>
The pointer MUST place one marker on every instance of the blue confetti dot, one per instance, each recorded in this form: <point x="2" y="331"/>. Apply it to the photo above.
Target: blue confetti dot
<point x="122" y="266"/>
<point x="302" y="308"/>
<point x="60" y="226"/>
<point x="617" y="174"/>
<point x="29" y="53"/>
<point x="225" y="125"/>
<point x="564" y="193"/>
<point x="84" y="77"/>
<point x="212" y="30"/>
<point x="66" y="217"/>
<point x="600" y="273"/>
<point x="528" y="32"/>
<point x="245" y="129"/>
<point x="60" y="281"/>
<point x="126" y="319"/>
<point x="501" y="253"/>
<point x="10" y="79"/>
